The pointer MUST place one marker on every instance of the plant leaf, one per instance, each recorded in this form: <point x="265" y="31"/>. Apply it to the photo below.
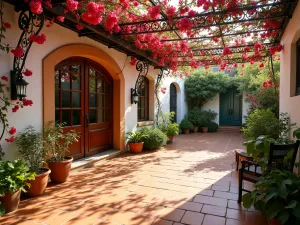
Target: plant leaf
<point x="2" y="210"/>
<point x="247" y="200"/>
<point x="283" y="216"/>
<point x="271" y="195"/>
<point x="292" y="204"/>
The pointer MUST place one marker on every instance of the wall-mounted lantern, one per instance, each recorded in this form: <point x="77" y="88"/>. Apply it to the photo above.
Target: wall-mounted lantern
<point x="134" y="96"/>
<point x="18" y="86"/>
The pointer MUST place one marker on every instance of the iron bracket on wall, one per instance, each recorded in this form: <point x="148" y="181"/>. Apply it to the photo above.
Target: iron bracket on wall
<point x="30" y="24"/>
<point x="161" y="74"/>
<point x="142" y="67"/>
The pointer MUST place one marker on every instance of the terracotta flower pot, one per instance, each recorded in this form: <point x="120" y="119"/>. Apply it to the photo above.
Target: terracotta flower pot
<point x="218" y="129"/>
<point x="274" y="222"/>
<point x="11" y="201"/>
<point x="186" y="130"/>
<point x="60" y="170"/>
<point x="204" y="129"/>
<point x="39" y="184"/>
<point x="196" y="129"/>
<point x="171" y="139"/>
<point x="136" y="147"/>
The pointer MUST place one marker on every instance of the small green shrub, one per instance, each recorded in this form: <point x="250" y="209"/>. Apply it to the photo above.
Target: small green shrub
<point x="166" y="124"/>
<point x="186" y="124"/>
<point x="212" y="127"/>
<point x="155" y="138"/>
<point x="261" y="122"/>
<point x="194" y="116"/>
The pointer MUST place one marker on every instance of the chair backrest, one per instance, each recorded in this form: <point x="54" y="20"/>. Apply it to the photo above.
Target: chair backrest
<point x="278" y="153"/>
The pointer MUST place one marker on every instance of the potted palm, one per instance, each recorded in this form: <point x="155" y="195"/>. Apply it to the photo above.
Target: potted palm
<point x="186" y="126"/>
<point x="276" y="195"/>
<point x="14" y="177"/>
<point x="57" y="143"/>
<point x="30" y="146"/>
<point x="135" y="141"/>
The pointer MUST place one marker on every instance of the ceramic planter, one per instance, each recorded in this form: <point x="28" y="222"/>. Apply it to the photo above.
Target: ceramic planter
<point x="204" y="129"/>
<point x="274" y="222"/>
<point x="186" y="130"/>
<point x="60" y="170"/>
<point x="39" y="184"/>
<point x="136" y="147"/>
<point x="11" y="201"/>
<point x="196" y="129"/>
<point x="171" y="139"/>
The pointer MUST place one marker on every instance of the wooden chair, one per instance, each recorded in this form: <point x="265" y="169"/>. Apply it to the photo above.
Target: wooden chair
<point x="250" y="171"/>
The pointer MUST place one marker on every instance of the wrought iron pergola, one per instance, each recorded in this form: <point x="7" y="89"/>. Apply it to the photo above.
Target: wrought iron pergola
<point x="223" y="25"/>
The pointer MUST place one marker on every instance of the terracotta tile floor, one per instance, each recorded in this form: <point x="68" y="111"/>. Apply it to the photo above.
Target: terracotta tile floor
<point x="190" y="182"/>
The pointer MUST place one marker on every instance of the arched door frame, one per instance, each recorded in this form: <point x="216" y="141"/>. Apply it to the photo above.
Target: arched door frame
<point x="102" y="58"/>
<point x="179" y="103"/>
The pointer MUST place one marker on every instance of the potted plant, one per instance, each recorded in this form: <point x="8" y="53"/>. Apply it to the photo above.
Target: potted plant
<point x="14" y="177"/>
<point x="57" y="143"/>
<point x="205" y="118"/>
<point x="276" y="195"/>
<point x="166" y="125"/>
<point x="30" y="146"/>
<point x="135" y="141"/>
<point x="186" y="126"/>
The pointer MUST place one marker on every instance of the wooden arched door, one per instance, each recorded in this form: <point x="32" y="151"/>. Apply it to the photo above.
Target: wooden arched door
<point x="173" y="101"/>
<point x="83" y="101"/>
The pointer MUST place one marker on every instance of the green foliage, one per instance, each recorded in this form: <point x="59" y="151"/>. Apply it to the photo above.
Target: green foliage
<point x="30" y="145"/>
<point x="155" y="138"/>
<point x="296" y="133"/>
<point x="186" y="124"/>
<point x="194" y="116"/>
<point x="252" y="83"/>
<point x="201" y="87"/>
<point x="212" y="126"/>
<point x="57" y="142"/>
<point x="14" y="175"/>
<point x="276" y="195"/>
<point x="206" y="117"/>
<point x="135" y="137"/>
<point x="261" y="122"/>
<point x="166" y="125"/>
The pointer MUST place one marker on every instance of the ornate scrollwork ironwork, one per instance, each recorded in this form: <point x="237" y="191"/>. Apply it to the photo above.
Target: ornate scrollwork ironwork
<point x="142" y="67"/>
<point x="30" y="24"/>
<point x="161" y="74"/>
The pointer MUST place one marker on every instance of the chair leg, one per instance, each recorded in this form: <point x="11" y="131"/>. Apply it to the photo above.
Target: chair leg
<point x="240" y="185"/>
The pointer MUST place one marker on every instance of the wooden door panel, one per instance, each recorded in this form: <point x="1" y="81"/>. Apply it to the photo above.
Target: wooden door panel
<point x="230" y="108"/>
<point x="236" y="109"/>
<point x="225" y="118"/>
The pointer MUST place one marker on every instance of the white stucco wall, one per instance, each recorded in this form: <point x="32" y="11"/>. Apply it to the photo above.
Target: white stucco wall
<point x="288" y="102"/>
<point x="58" y="36"/>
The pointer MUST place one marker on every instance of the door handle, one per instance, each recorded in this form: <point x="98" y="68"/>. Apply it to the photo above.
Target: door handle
<point x="87" y="120"/>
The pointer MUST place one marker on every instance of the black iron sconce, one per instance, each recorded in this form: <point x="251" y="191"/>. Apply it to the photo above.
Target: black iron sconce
<point x="134" y="96"/>
<point x="18" y="86"/>
<point x="142" y="68"/>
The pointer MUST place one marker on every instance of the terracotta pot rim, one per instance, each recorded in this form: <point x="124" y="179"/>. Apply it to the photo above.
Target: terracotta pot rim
<point x="45" y="173"/>
<point x="135" y="142"/>
<point x="11" y="193"/>
<point x="67" y="159"/>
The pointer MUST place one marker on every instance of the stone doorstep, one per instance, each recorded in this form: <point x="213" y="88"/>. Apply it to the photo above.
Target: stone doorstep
<point x="91" y="160"/>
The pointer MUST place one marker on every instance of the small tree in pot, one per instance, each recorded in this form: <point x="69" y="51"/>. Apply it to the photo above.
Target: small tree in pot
<point x="30" y="146"/>
<point x="14" y="177"/>
<point x="57" y="143"/>
<point x="186" y="125"/>
<point x="194" y="115"/>
<point x="135" y="141"/>
<point x="166" y="125"/>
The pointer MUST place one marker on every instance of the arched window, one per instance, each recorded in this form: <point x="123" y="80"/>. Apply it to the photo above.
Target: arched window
<point x="173" y="101"/>
<point x="143" y="105"/>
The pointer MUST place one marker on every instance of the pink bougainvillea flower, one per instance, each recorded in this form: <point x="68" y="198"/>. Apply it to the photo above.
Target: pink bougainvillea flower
<point x="93" y="14"/>
<point x="10" y="140"/>
<point x="27" y="73"/>
<point x="36" y="6"/>
<point x="27" y="102"/>
<point x="154" y="12"/>
<point x="111" y="20"/>
<point x="60" y="18"/>
<point x="79" y="27"/>
<point x="133" y="61"/>
<point x="226" y="51"/>
<point x="5" y="78"/>
<point x="6" y="25"/>
<point x="72" y="5"/>
<point x="249" y="96"/>
<point x="18" y="51"/>
<point x="262" y="65"/>
<point x="15" y="108"/>
<point x="12" y="131"/>
<point x="48" y="3"/>
<point x="171" y="11"/>
<point x="39" y="39"/>
<point x="185" y="24"/>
